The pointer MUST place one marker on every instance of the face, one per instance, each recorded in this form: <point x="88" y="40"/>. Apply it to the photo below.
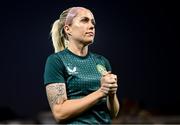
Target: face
<point x="82" y="28"/>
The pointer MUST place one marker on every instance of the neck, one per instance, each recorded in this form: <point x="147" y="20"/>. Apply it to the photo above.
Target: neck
<point x="80" y="50"/>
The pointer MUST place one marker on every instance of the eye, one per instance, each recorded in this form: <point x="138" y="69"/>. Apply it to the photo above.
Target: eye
<point x="85" y="20"/>
<point x="93" y="22"/>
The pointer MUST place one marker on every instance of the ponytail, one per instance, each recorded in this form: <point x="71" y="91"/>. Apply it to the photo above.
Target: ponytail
<point x="59" y="37"/>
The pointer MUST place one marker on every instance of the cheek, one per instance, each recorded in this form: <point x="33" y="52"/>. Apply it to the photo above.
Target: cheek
<point x="80" y="31"/>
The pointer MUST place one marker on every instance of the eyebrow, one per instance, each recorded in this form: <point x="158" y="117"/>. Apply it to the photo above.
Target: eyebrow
<point x="93" y="20"/>
<point x="87" y="17"/>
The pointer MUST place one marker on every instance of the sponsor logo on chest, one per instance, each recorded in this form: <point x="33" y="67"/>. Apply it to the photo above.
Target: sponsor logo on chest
<point x="72" y="70"/>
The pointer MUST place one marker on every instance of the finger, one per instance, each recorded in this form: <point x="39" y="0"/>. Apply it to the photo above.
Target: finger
<point x="114" y="86"/>
<point x="110" y="81"/>
<point x="106" y="73"/>
<point x="106" y="85"/>
<point x="113" y="92"/>
<point x="113" y="89"/>
<point x="110" y="76"/>
<point x="105" y="90"/>
<point x="113" y="76"/>
<point x="110" y="86"/>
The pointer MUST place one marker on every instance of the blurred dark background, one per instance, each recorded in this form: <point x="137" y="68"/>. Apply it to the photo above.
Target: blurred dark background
<point x="140" y="39"/>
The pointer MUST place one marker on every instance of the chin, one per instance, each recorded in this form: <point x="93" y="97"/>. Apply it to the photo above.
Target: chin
<point x="88" y="42"/>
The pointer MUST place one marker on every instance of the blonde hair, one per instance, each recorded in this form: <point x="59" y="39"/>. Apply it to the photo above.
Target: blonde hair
<point x="59" y="37"/>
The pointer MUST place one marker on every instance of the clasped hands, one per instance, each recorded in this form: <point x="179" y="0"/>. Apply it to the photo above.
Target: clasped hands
<point x="109" y="83"/>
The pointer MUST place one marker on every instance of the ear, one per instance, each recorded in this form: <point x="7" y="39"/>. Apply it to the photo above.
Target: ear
<point x="67" y="29"/>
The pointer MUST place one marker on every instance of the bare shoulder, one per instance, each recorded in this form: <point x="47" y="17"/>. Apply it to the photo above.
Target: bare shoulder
<point x="56" y="93"/>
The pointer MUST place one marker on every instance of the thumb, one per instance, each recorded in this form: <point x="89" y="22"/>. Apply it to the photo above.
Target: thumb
<point x="106" y="73"/>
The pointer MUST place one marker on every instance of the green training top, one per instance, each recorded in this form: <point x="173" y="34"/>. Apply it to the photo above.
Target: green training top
<point x="81" y="77"/>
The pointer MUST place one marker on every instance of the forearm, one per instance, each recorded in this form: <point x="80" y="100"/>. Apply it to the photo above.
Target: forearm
<point x="71" y="108"/>
<point x="113" y="104"/>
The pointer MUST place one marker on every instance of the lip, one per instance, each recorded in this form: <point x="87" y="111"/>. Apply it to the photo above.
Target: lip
<point x="90" y="33"/>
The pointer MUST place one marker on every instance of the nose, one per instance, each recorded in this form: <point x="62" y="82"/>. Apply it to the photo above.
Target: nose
<point x="91" y="26"/>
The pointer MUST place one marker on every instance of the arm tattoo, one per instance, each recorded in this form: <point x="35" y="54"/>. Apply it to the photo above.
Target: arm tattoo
<point x="56" y="93"/>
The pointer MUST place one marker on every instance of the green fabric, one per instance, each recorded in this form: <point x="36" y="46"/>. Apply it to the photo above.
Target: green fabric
<point x="81" y="78"/>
